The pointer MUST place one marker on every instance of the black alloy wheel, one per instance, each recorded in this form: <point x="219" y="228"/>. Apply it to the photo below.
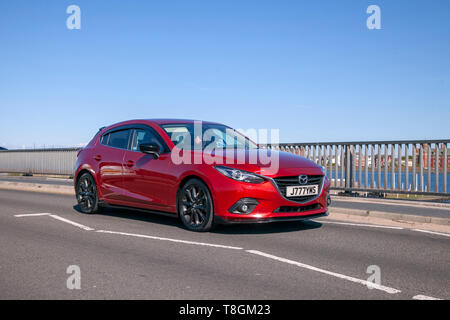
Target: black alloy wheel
<point x="195" y="206"/>
<point x="86" y="193"/>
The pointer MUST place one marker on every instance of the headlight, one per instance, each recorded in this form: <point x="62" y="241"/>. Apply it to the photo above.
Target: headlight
<point x="239" y="175"/>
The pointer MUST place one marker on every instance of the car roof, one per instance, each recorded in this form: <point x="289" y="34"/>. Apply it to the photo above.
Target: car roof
<point x="169" y="121"/>
<point x="154" y="121"/>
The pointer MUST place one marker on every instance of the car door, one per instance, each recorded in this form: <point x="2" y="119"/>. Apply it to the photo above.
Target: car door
<point x="147" y="179"/>
<point x="109" y="156"/>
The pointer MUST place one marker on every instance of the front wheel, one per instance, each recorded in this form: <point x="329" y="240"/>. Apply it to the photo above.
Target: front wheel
<point x="86" y="193"/>
<point x="195" y="206"/>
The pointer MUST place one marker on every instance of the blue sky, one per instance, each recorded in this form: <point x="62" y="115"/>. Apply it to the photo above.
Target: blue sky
<point x="309" y="68"/>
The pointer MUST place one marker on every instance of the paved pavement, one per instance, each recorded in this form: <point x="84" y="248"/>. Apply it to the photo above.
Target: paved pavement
<point x="38" y="179"/>
<point x="133" y="255"/>
<point x="394" y="208"/>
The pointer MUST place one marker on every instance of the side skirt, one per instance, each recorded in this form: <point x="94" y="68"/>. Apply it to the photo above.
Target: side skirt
<point x="104" y="204"/>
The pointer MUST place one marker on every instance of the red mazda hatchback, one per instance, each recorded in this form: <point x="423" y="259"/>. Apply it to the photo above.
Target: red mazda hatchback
<point x="203" y="172"/>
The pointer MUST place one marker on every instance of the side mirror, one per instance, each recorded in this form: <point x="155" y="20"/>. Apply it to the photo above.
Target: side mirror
<point x="150" y="148"/>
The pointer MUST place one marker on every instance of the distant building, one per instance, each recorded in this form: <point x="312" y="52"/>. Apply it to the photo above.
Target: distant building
<point x="440" y="154"/>
<point x="363" y="160"/>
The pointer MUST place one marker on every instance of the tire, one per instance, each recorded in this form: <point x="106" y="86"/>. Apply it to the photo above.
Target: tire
<point x="195" y="206"/>
<point x="87" y="195"/>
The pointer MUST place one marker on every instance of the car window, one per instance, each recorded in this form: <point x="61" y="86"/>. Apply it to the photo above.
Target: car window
<point x="104" y="140"/>
<point x="213" y="135"/>
<point x="180" y="136"/>
<point x="119" y="139"/>
<point x="142" y="136"/>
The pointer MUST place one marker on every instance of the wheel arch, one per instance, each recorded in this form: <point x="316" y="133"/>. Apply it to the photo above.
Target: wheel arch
<point x="198" y="177"/>
<point x="83" y="171"/>
<point x="89" y="170"/>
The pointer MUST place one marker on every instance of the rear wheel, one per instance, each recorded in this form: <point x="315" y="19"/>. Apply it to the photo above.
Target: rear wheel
<point x="86" y="192"/>
<point x="195" y="206"/>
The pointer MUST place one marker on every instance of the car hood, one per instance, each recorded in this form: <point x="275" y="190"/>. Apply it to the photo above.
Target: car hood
<point x="266" y="162"/>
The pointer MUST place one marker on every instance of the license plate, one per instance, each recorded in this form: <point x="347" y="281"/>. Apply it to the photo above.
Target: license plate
<point x="298" y="191"/>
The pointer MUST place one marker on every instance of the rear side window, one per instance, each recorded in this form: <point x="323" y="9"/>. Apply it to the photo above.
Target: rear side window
<point x="104" y="139"/>
<point x="117" y="139"/>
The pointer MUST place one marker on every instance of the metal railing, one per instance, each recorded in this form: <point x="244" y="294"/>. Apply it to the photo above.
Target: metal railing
<point x="411" y="167"/>
<point x="39" y="161"/>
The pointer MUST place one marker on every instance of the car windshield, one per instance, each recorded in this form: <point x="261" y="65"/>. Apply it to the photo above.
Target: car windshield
<point x="212" y="136"/>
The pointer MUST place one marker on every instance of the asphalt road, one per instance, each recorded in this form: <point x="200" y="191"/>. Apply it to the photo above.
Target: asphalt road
<point x="134" y="255"/>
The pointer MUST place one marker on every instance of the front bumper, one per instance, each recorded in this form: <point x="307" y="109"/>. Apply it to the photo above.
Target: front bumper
<point x="272" y="205"/>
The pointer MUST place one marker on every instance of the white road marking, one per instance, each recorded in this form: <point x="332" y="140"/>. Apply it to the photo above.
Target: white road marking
<point x="31" y="215"/>
<point x="169" y="239"/>
<point x="54" y="216"/>
<point x="334" y="274"/>
<point x="362" y="225"/>
<point x="422" y="297"/>
<point x="433" y="232"/>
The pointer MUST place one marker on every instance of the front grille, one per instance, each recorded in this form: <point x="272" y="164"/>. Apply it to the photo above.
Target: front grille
<point x="287" y="209"/>
<point x="283" y="182"/>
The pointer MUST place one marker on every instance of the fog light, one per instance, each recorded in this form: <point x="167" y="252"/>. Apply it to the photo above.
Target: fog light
<point x="244" y="206"/>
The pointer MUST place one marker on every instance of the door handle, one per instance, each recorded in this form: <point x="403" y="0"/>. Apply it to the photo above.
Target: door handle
<point x="98" y="157"/>
<point x="130" y="163"/>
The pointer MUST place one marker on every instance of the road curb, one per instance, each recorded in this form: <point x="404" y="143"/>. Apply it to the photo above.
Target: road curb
<point x="397" y="217"/>
<point x="409" y="203"/>
<point x="37" y="187"/>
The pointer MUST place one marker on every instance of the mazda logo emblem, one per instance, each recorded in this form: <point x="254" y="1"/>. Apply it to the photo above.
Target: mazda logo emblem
<point x="303" y="179"/>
